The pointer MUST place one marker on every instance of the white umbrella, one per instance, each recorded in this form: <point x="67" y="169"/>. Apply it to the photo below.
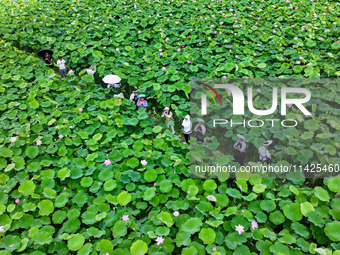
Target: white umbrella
<point x="111" y="79"/>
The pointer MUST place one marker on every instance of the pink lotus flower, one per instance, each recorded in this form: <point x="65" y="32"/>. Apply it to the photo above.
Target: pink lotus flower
<point x="107" y="162"/>
<point x="188" y="62"/>
<point x="13" y="139"/>
<point x="236" y="56"/>
<point x="182" y="46"/>
<point x="144" y="162"/>
<point x="80" y="109"/>
<point x="254" y="225"/>
<point x="178" y="49"/>
<point x="295" y="38"/>
<point x="61" y="136"/>
<point x="164" y="68"/>
<point x="167" y="47"/>
<point x="317" y="100"/>
<point x="161" y="54"/>
<point x="214" y="249"/>
<point x="59" y="32"/>
<point x="17" y="200"/>
<point x="210" y="198"/>
<point x="159" y="240"/>
<point x="224" y="77"/>
<point x="2" y="229"/>
<point x="240" y="229"/>
<point x="125" y="217"/>
<point x="39" y="142"/>
<point x="176" y="213"/>
<point x="155" y="184"/>
<point x="160" y="50"/>
<point x="298" y="62"/>
<point x="302" y="29"/>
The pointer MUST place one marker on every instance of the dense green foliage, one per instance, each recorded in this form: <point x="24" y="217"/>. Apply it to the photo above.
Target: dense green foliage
<point x="72" y="159"/>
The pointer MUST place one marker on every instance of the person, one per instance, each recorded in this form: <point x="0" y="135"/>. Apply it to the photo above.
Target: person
<point x="169" y="121"/>
<point x="134" y="96"/>
<point x="113" y="85"/>
<point x="62" y="67"/>
<point x="200" y="130"/>
<point x="70" y="72"/>
<point x="187" y="126"/>
<point x="91" y="70"/>
<point x="48" y="59"/>
<point x="264" y="154"/>
<point x="141" y="103"/>
<point x="240" y="147"/>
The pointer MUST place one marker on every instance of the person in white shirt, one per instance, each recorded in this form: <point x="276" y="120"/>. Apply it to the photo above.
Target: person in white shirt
<point x="187" y="126"/>
<point x="240" y="147"/>
<point x="264" y="154"/>
<point x="169" y="121"/>
<point x="91" y="70"/>
<point x="62" y="67"/>
<point x="70" y="72"/>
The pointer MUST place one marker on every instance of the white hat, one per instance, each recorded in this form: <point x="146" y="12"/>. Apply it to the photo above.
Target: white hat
<point x="200" y="120"/>
<point x="241" y="136"/>
<point x="142" y="95"/>
<point x="166" y="108"/>
<point x="135" y="91"/>
<point x="266" y="143"/>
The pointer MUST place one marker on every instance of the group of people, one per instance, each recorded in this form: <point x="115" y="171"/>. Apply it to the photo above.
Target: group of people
<point x="199" y="129"/>
<point x="240" y="153"/>
<point x="139" y="100"/>
<point x="61" y="65"/>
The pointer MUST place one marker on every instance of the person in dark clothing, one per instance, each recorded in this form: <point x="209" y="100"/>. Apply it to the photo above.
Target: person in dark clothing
<point x="134" y="97"/>
<point x="240" y="147"/>
<point x="48" y="59"/>
<point x="200" y="130"/>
